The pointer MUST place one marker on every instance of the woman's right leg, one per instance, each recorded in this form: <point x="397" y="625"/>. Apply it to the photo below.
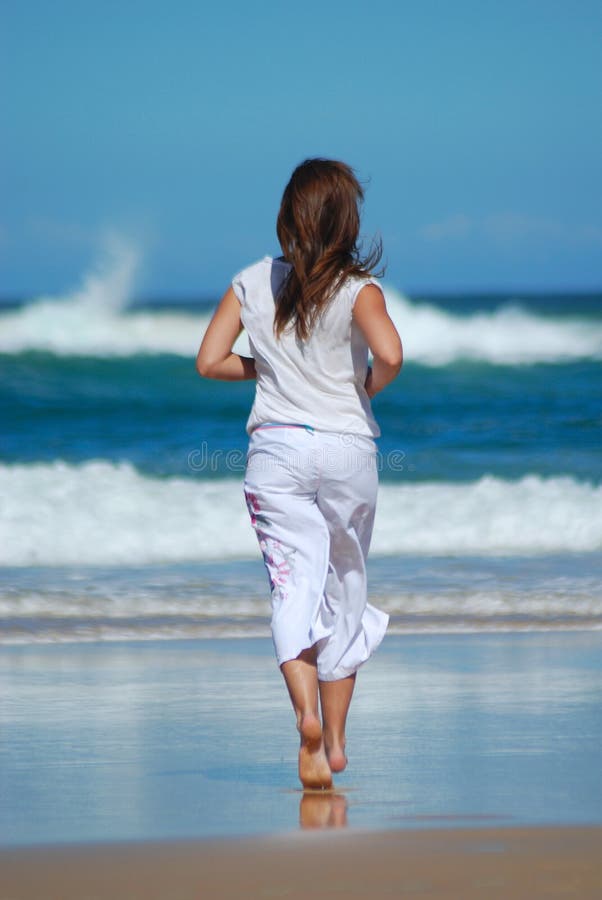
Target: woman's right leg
<point x="347" y="500"/>
<point x="335" y="699"/>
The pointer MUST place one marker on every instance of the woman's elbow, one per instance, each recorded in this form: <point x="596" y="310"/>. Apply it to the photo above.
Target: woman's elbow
<point x="204" y="366"/>
<point x="393" y="356"/>
<point x="400" y="357"/>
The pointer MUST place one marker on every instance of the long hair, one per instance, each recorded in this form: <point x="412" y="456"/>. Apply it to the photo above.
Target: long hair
<point x="318" y="229"/>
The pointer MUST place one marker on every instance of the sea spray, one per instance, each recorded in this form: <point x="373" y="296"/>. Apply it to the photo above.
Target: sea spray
<point x="80" y="321"/>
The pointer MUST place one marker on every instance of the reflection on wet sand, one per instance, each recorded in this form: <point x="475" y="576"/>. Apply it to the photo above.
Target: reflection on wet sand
<point x="323" y="809"/>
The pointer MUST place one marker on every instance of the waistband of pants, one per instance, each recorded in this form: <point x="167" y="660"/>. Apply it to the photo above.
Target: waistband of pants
<point x="265" y="425"/>
<point x="345" y="438"/>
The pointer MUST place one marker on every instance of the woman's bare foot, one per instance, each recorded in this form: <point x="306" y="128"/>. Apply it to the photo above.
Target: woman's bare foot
<point x="314" y="771"/>
<point x="335" y="753"/>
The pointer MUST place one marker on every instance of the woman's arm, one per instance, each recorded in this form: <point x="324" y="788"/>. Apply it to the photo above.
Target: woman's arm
<point x="370" y="314"/>
<point x="215" y="358"/>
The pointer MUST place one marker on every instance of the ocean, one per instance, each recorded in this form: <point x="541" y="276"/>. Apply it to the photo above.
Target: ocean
<point x="121" y="508"/>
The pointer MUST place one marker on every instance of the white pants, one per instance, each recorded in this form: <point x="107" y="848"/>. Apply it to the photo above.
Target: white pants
<point x="312" y="496"/>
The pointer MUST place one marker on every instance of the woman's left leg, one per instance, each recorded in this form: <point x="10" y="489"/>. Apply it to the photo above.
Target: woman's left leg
<point x="347" y="500"/>
<point x="301" y="677"/>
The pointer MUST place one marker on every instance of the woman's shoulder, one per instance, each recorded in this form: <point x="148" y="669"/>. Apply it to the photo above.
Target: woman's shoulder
<point x="261" y="266"/>
<point x="363" y="278"/>
<point x="355" y="282"/>
<point x="262" y="279"/>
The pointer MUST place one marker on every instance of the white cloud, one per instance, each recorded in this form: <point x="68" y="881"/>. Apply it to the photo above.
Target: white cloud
<point x="509" y="228"/>
<point x="456" y="226"/>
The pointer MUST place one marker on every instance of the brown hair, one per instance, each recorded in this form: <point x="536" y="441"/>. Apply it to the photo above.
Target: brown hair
<point x="318" y="229"/>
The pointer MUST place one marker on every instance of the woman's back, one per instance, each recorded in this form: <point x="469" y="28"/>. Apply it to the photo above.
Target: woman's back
<point x="318" y="381"/>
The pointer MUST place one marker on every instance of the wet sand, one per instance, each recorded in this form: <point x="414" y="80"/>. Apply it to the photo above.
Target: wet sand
<point x="512" y="863"/>
<point x="192" y="740"/>
<point x="168" y="770"/>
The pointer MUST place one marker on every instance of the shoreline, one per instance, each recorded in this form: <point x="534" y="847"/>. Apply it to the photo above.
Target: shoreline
<point x="517" y="862"/>
<point x="214" y="600"/>
<point x="220" y="633"/>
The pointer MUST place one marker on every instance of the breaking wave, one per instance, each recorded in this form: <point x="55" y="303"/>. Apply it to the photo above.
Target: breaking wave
<point x="102" y="513"/>
<point x="95" y="321"/>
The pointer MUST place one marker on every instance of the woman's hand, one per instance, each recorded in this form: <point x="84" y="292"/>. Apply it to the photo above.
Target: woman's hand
<point x="215" y="358"/>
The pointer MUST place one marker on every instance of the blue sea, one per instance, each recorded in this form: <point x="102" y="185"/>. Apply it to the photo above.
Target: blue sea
<point x="121" y="508"/>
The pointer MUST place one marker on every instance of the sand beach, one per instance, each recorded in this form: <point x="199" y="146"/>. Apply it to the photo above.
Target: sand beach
<point x="525" y="864"/>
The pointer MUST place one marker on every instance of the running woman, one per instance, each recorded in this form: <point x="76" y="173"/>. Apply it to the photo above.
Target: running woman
<point x="312" y="317"/>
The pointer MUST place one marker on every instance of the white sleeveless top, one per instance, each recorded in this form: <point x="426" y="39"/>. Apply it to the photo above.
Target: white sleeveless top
<point x="317" y="382"/>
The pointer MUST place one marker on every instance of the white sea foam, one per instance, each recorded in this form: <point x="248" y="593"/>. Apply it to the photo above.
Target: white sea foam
<point x="95" y="321"/>
<point x="509" y="335"/>
<point x="103" y="513"/>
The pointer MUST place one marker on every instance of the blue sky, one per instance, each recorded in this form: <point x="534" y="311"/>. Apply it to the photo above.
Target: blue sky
<point x="176" y="125"/>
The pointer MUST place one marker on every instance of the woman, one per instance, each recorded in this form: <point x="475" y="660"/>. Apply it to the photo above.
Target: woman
<point x="311" y="479"/>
